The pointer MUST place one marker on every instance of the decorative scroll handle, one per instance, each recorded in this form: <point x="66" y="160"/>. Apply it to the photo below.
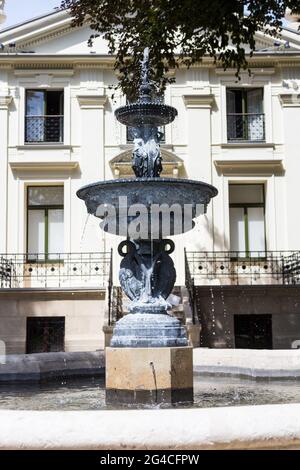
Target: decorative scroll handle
<point x="147" y="272"/>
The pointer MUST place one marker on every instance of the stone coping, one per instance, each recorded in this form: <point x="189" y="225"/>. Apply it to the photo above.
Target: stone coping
<point x="254" y="364"/>
<point x="244" y="427"/>
<point x="272" y="364"/>
<point x="35" y="368"/>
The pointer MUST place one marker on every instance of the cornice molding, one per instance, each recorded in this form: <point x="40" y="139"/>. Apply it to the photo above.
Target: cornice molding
<point x="4" y="66"/>
<point x="45" y="37"/>
<point x="259" y="66"/>
<point x="44" y="166"/>
<point x="5" y="101"/>
<point x="39" y="66"/>
<point x="104" y="64"/>
<point x="92" y="101"/>
<point x="289" y="100"/>
<point x="254" y="71"/>
<point x="248" y="145"/>
<point x="249" y="167"/>
<point x="199" y="101"/>
<point x="59" y="72"/>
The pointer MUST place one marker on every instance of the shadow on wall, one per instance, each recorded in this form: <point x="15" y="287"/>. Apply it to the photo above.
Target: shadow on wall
<point x="203" y="234"/>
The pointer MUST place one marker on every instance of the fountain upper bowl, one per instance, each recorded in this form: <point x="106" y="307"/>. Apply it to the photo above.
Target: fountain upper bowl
<point x="146" y="114"/>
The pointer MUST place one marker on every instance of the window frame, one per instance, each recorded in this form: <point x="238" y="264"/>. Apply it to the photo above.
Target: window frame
<point x="62" y="116"/>
<point x="244" y="106"/>
<point x="46" y="209"/>
<point x="245" y="206"/>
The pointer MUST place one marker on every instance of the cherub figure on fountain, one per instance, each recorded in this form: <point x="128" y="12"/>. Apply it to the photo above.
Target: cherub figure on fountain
<point x="146" y="156"/>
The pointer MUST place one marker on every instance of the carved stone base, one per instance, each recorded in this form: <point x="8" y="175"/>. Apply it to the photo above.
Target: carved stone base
<point x="148" y="330"/>
<point x="149" y="375"/>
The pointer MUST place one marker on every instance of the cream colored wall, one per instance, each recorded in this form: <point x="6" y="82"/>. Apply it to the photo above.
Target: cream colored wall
<point x="198" y="136"/>
<point x="84" y="318"/>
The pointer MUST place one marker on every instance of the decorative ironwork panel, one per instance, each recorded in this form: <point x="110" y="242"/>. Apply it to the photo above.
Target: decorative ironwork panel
<point x="44" y="129"/>
<point x="66" y="270"/>
<point x="235" y="268"/>
<point x="246" y="127"/>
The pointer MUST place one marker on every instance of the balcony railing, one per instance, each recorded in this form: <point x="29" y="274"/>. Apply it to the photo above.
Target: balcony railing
<point x="235" y="268"/>
<point x="69" y="270"/>
<point x="246" y="127"/>
<point x="44" y="129"/>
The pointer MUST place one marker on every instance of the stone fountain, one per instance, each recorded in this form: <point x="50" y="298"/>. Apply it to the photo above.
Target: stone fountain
<point x="149" y="358"/>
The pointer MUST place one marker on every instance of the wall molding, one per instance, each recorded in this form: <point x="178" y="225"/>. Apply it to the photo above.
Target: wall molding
<point x="289" y="100"/>
<point x="42" y="166"/>
<point x="249" y="167"/>
<point x="199" y="101"/>
<point x="5" y="101"/>
<point x="92" y="101"/>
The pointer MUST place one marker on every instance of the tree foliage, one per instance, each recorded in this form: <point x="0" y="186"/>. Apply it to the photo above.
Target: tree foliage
<point x="177" y="32"/>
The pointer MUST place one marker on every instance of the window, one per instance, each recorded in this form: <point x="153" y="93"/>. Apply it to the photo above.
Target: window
<point x="44" y="118"/>
<point x="45" y="334"/>
<point x="253" y="331"/>
<point x="247" y="219"/>
<point x="45" y="222"/>
<point x="245" y="116"/>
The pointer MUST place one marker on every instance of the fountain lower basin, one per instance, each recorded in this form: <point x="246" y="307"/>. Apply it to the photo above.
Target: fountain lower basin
<point x="232" y="406"/>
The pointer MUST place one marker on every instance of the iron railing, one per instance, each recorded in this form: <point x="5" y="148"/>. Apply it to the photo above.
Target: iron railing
<point x="67" y="270"/>
<point x="6" y="270"/>
<point x="44" y="129"/>
<point x="240" y="268"/>
<point x="246" y="127"/>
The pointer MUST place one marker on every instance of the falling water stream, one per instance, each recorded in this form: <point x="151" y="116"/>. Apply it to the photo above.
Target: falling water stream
<point x="84" y="230"/>
<point x="213" y="316"/>
<point x="225" y="318"/>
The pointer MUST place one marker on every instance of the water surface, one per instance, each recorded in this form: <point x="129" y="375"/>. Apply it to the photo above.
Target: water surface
<point x="89" y="394"/>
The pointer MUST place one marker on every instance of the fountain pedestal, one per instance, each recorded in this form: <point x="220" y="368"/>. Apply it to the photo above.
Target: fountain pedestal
<point x="149" y="375"/>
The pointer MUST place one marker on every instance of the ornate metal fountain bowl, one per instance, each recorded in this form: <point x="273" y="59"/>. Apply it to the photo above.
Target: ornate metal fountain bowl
<point x="148" y="192"/>
<point x="146" y="114"/>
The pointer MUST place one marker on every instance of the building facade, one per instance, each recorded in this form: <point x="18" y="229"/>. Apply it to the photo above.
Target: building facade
<point x="58" y="132"/>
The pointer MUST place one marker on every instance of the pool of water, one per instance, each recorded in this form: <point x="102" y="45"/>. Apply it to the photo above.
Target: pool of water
<point x="89" y="394"/>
